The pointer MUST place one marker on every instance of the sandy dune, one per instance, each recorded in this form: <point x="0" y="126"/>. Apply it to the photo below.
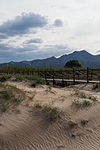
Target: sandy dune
<point x="26" y="128"/>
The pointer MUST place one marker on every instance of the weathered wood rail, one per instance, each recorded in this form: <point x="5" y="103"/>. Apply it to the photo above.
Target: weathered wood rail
<point x="64" y="76"/>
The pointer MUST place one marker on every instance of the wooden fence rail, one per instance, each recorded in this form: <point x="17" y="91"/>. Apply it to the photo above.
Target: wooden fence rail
<point x="74" y="75"/>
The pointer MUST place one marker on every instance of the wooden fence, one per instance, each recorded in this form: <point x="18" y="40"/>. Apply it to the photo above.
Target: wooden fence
<point x="69" y="75"/>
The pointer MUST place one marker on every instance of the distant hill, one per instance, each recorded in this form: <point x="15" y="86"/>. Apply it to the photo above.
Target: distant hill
<point x="86" y="59"/>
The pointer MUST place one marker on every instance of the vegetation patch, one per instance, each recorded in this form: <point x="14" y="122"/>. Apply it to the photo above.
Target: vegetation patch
<point x="34" y="84"/>
<point x="93" y="98"/>
<point x="9" y="97"/>
<point x="4" y="78"/>
<point x="96" y="86"/>
<point x="84" y="96"/>
<point x="73" y="64"/>
<point x="3" y="107"/>
<point x="38" y="105"/>
<point x="50" y="113"/>
<point x="79" y="104"/>
<point x="84" y="122"/>
<point x="16" y="100"/>
<point x="19" y="78"/>
<point x="37" y="80"/>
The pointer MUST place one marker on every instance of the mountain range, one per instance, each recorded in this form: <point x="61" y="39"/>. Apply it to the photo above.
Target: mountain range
<point x="86" y="59"/>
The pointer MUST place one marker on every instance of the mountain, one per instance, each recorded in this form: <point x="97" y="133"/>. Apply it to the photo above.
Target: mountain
<point x="86" y="59"/>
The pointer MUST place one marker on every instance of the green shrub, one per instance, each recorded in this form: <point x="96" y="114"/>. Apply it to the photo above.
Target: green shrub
<point x="37" y="80"/>
<point x="19" y="78"/>
<point x="72" y="64"/>
<point x="96" y="86"/>
<point x="16" y="100"/>
<point x="4" y="78"/>
<point x="86" y="103"/>
<point x="29" y="77"/>
<point x="82" y="95"/>
<point x="34" y="84"/>
<point x="7" y="95"/>
<point x="77" y="103"/>
<point x="3" y="107"/>
<point x="93" y="98"/>
<point x="51" y="113"/>
<point x="81" y="104"/>
<point x="37" y="105"/>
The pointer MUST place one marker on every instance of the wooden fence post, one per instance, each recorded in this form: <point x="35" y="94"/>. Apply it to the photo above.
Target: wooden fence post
<point x="53" y="79"/>
<point x="62" y="79"/>
<point x="87" y="75"/>
<point x="46" y="77"/>
<point x="73" y="75"/>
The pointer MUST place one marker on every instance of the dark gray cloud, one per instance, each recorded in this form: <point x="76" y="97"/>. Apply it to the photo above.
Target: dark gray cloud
<point x="31" y="52"/>
<point x="22" y="24"/>
<point x="33" y="41"/>
<point x="58" y="23"/>
<point x="4" y="47"/>
<point x="3" y="36"/>
<point x="26" y="48"/>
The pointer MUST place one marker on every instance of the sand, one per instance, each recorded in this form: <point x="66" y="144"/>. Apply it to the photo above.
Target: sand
<point x="26" y="127"/>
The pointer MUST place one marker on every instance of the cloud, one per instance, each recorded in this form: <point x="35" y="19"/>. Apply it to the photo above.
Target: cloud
<point x="31" y="52"/>
<point x="58" y="23"/>
<point x="98" y="51"/>
<point x="26" y="48"/>
<point x="22" y="24"/>
<point x="33" y="41"/>
<point x="3" y="36"/>
<point x="4" y="47"/>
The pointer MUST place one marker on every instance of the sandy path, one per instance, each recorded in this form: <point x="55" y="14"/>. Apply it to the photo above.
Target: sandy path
<point x="29" y="130"/>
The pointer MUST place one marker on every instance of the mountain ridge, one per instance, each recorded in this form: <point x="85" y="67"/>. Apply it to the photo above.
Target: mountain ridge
<point x="84" y="57"/>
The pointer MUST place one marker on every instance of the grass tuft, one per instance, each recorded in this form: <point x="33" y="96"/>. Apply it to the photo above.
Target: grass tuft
<point x="96" y="86"/>
<point x="79" y="104"/>
<point x="51" y="113"/>
<point x="4" y="78"/>
<point x="3" y="108"/>
<point x="7" y="95"/>
<point x="37" y="105"/>
<point x="16" y="100"/>
<point x="19" y="78"/>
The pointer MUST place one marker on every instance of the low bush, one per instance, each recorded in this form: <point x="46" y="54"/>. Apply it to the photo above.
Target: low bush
<point x="86" y="103"/>
<point x="19" y="78"/>
<point x="96" y="86"/>
<point x="34" y="84"/>
<point x="37" y="80"/>
<point x="79" y="104"/>
<point x="4" y="78"/>
<point x="93" y="98"/>
<point x="7" y="95"/>
<point x="16" y="100"/>
<point x="3" y="107"/>
<point x="51" y="113"/>
<point x="37" y="105"/>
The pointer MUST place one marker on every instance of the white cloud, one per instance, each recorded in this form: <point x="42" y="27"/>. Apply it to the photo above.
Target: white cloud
<point x="79" y="28"/>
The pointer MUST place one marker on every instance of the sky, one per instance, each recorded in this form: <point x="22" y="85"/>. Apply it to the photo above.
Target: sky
<point x="37" y="29"/>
